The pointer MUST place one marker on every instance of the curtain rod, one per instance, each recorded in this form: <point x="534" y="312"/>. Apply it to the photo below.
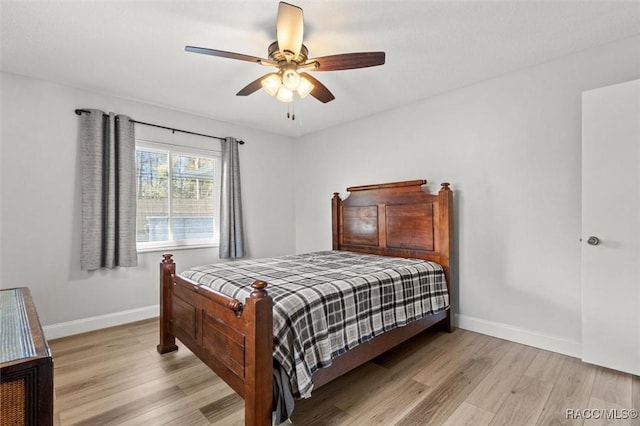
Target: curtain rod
<point x="80" y="111"/>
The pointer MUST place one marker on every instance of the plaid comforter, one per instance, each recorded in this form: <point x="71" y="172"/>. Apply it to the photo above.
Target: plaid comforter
<point x="326" y="303"/>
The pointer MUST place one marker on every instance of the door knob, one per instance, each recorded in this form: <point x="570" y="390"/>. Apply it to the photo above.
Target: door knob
<point x="593" y="241"/>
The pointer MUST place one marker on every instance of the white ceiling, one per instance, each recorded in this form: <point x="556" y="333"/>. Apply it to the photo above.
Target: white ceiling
<point x="135" y="49"/>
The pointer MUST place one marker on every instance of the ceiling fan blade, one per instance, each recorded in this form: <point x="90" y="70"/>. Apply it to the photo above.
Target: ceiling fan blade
<point x="290" y="28"/>
<point x="349" y="61"/>
<point x="320" y="91"/>
<point x="254" y="86"/>
<point x="223" y="54"/>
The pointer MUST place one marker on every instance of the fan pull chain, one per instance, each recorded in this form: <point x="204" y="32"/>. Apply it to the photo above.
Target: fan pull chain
<point x="291" y="114"/>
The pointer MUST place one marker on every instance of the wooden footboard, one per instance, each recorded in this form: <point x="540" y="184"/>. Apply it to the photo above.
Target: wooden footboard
<point x="234" y="339"/>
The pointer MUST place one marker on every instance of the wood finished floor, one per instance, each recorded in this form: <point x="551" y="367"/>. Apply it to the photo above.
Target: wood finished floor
<point x="116" y="377"/>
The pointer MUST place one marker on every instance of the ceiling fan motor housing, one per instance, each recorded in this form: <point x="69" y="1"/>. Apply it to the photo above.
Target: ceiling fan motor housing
<point x="284" y="57"/>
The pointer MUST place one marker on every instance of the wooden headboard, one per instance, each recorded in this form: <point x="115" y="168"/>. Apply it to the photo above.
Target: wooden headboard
<point x="395" y="219"/>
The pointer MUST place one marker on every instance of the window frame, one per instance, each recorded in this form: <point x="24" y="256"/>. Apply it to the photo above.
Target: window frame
<point x="178" y="150"/>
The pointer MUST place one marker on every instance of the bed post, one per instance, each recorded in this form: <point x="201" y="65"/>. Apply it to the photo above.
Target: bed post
<point x="167" y="340"/>
<point x="335" y="220"/>
<point x="445" y="199"/>
<point x="258" y="386"/>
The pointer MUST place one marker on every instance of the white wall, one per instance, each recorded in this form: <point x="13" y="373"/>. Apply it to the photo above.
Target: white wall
<point x="511" y="149"/>
<point x="40" y="202"/>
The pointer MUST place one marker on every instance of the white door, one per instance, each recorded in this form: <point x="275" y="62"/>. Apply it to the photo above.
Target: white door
<point x="611" y="214"/>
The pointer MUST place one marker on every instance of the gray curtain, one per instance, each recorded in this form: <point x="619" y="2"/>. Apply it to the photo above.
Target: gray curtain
<point x="231" y="228"/>
<point x="107" y="150"/>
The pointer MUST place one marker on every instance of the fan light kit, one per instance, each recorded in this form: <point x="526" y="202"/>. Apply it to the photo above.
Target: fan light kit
<point x="283" y="84"/>
<point x="290" y="56"/>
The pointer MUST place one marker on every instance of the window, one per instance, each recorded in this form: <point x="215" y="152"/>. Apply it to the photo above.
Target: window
<point x="177" y="196"/>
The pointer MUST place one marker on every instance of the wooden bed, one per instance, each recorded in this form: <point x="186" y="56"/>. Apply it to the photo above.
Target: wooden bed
<point x="235" y="338"/>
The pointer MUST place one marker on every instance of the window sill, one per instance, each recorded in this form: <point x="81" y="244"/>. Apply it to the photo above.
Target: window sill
<point x="166" y="249"/>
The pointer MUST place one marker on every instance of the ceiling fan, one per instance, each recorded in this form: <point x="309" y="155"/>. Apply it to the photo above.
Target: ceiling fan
<point x="291" y="57"/>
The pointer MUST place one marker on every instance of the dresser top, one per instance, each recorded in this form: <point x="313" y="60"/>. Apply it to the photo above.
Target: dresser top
<point x="20" y="331"/>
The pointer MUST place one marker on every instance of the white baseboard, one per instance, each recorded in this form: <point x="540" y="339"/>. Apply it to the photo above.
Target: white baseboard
<point x="69" y="328"/>
<point x="520" y="335"/>
<point x="490" y="328"/>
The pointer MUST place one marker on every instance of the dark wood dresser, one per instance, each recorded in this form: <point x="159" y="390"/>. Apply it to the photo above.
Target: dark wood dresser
<point x="26" y="366"/>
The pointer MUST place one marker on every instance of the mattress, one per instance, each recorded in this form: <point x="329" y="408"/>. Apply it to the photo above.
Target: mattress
<point x="326" y="303"/>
